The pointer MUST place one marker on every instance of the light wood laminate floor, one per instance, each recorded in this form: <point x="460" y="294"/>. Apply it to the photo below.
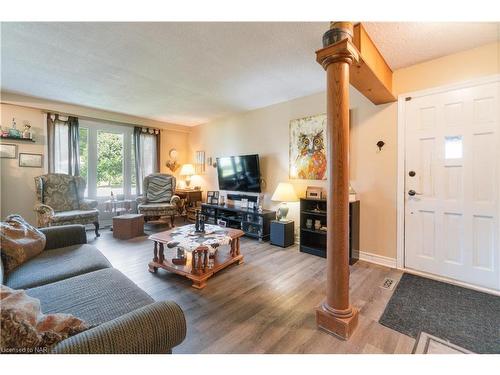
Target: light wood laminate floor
<point x="266" y="304"/>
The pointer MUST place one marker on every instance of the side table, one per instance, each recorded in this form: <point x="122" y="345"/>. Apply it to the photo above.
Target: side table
<point x="128" y="226"/>
<point x="118" y="206"/>
<point x="282" y="233"/>
<point x="191" y="199"/>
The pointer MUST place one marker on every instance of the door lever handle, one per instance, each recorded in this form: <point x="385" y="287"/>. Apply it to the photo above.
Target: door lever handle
<point x="411" y="193"/>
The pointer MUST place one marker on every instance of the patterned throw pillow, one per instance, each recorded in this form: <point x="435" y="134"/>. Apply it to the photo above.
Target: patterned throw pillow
<point x="159" y="189"/>
<point x="19" y="241"/>
<point x="24" y="329"/>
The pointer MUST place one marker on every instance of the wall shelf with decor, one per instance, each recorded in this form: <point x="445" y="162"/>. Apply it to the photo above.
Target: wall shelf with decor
<point x="17" y="139"/>
<point x="313" y="216"/>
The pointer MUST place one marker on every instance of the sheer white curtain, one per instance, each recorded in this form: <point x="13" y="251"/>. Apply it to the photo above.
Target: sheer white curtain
<point x="61" y="154"/>
<point x="63" y="144"/>
<point x="147" y="146"/>
<point x="148" y="160"/>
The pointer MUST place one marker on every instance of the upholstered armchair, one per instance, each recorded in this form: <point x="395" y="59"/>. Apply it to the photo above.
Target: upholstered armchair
<point x="158" y="197"/>
<point x="60" y="201"/>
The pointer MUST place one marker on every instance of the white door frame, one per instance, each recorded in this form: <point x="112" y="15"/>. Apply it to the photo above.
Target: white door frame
<point x="401" y="191"/>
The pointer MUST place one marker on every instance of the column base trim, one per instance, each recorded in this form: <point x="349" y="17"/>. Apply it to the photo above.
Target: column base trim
<point x="343" y="328"/>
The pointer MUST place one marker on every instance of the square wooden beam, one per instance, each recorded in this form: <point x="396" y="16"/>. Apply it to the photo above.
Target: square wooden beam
<point x="371" y="75"/>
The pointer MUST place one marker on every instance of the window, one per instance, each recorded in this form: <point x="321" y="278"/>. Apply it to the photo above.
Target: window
<point x="453" y="147"/>
<point x="110" y="163"/>
<point x="107" y="159"/>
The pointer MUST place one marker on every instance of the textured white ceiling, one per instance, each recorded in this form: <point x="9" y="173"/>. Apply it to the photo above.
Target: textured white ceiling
<point x="191" y="73"/>
<point x="406" y="43"/>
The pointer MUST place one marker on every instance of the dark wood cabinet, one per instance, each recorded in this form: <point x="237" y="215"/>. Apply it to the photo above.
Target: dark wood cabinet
<point x="255" y="224"/>
<point x="282" y="233"/>
<point x="191" y="199"/>
<point x="313" y="216"/>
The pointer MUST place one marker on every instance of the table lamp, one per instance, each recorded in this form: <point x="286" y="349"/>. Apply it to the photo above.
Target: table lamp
<point x="187" y="171"/>
<point x="284" y="193"/>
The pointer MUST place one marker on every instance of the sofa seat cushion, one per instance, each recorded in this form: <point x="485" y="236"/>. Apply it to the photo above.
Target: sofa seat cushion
<point x="55" y="265"/>
<point x="95" y="297"/>
<point x="65" y="216"/>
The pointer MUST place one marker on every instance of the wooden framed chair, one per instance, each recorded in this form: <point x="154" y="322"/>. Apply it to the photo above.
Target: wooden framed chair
<point x="60" y="201"/>
<point x="158" y="199"/>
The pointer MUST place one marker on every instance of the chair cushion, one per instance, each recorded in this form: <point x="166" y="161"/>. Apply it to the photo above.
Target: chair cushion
<point x="74" y="215"/>
<point x="60" y="192"/>
<point x="55" y="265"/>
<point x="156" y="207"/>
<point x="95" y="297"/>
<point x="159" y="188"/>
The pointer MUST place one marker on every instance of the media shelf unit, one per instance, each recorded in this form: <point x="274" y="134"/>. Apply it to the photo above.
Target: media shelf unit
<point x="255" y="224"/>
<point x="313" y="241"/>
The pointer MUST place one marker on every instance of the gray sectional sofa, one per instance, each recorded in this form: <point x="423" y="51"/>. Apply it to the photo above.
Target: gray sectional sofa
<point x="70" y="276"/>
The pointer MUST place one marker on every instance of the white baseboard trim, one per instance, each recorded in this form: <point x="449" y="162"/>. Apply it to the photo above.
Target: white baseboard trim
<point x="377" y="259"/>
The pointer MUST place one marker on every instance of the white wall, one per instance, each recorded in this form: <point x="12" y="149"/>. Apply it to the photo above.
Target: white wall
<point x="17" y="183"/>
<point x="373" y="173"/>
<point x="266" y="132"/>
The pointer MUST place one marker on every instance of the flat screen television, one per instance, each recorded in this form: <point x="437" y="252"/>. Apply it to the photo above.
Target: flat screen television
<point x="239" y="173"/>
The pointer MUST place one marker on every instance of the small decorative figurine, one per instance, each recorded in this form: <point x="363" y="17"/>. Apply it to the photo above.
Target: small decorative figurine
<point x="172" y="164"/>
<point x="13" y="132"/>
<point x="199" y="225"/>
<point x="202" y="223"/>
<point x="27" y="130"/>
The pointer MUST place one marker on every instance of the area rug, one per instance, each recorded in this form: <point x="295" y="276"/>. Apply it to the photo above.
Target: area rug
<point x="464" y="317"/>
<point x="428" y="344"/>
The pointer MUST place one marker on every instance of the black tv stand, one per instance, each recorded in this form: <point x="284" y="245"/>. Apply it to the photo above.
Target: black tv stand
<point x="255" y="224"/>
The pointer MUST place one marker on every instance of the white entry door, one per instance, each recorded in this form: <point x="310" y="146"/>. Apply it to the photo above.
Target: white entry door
<point x="452" y="184"/>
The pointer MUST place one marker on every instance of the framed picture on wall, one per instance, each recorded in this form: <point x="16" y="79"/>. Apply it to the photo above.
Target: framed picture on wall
<point x="307" y="152"/>
<point x="213" y="197"/>
<point x="8" y="151"/>
<point x="200" y="162"/>
<point x="30" y="160"/>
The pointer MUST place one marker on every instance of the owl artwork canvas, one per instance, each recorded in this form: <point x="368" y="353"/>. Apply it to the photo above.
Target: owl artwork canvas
<point x="308" y="148"/>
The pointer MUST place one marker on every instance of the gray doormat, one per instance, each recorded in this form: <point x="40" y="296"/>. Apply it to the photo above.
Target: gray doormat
<point x="465" y="317"/>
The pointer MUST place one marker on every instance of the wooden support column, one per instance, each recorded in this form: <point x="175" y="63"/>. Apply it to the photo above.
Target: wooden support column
<point x="336" y="315"/>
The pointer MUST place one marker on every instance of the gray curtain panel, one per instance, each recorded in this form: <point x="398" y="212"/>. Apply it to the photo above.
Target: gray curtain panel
<point x="51" y="124"/>
<point x="73" y="146"/>
<point x="138" y="161"/>
<point x="158" y="142"/>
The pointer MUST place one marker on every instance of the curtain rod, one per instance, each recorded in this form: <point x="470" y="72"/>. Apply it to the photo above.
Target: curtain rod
<point x="44" y="110"/>
<point x="97" y="119"/>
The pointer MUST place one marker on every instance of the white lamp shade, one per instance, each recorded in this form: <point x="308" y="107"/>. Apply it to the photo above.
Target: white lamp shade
<point x="284" y="193"/>
<point x="187" y="170"/>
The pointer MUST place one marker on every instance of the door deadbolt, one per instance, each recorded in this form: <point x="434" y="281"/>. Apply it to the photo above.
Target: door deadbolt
<point x="412" y="173"/>
<point x="412" y="193"/>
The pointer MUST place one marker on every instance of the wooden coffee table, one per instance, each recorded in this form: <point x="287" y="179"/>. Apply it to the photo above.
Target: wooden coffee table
<point x="199" y="265"/>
